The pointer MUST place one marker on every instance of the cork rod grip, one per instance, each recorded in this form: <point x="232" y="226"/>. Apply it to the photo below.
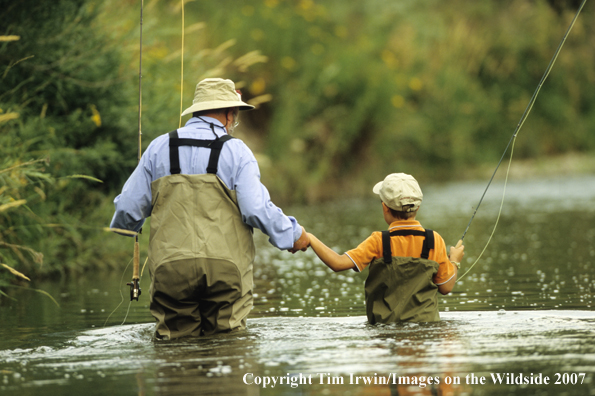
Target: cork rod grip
<point x="136" y="261"/>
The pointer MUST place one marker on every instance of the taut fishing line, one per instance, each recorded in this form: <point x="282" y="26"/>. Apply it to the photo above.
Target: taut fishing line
<point x="513" y="139"/>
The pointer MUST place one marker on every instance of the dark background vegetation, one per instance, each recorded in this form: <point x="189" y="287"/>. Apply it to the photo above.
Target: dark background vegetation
<point x="348" y="91"/>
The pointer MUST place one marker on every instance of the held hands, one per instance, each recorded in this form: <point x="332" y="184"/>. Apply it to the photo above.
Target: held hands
<point x="302" y="243"/>
<point x="457" y="252"/>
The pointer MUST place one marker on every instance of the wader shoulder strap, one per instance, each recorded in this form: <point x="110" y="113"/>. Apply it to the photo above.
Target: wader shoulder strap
<point x="425" y="251"/>
<point x="215" y="146"/>
<point x="386" y="251"/>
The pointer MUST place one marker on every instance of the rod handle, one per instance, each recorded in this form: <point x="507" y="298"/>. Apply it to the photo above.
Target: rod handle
<point x="136" y="261"/>
<point x="459" y="243"/>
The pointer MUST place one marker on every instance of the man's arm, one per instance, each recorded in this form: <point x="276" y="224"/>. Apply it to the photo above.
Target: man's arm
<point x="259" y="212"/>
<point x="328" y="256"/>
<point x="133" y="205"/>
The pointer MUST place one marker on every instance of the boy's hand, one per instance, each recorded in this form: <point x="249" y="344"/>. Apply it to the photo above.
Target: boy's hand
<point x="302" y="243"/>
<point x="457" y="252"/>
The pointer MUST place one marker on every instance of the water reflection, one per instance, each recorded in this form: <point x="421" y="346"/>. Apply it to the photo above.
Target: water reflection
<point x="526" y="307"/>
<point x="340" y="356"/>
<point x="213" y="365"/>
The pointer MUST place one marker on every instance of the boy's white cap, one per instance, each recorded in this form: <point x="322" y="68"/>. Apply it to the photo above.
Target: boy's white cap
<point x="398" y="190"/>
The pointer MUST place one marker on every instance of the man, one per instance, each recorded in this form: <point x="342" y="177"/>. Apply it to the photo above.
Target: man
<point x="202" y="189"/>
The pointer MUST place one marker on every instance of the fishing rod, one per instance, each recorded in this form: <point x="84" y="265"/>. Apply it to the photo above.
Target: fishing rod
<point x="135" y="290"/>
<point x="182" y="70"/>
<point x="514" y="135"/>
<point x="135" y="283"/>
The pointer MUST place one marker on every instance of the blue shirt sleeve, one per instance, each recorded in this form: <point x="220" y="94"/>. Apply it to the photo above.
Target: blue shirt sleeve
<point x="133" y="205"/>
<point x="258" y="211"/>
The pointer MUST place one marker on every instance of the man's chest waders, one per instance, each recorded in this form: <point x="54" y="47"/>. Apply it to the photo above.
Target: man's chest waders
<point x="200" y="251"/>
<point x="401" y="288"/>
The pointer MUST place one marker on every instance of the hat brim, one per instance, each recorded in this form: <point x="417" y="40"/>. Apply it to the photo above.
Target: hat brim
<point x="377" y="187"/>
<point x="217" y="105"/>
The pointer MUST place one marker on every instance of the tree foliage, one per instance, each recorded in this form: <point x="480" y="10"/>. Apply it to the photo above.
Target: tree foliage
<point x="69" y="99"/>
<point x="362" y="89"/>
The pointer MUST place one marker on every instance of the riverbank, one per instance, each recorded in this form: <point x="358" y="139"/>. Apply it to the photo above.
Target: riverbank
<point x="358" y="183"/>
<point x="569" y="164"/>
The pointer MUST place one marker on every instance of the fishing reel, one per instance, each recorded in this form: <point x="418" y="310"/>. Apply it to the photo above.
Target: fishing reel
<point x="135" y="291"/>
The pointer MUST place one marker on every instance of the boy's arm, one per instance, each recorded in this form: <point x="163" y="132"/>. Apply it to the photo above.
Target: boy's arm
<point x="456" y="255"/>
<point x="447" y="287"/>
<point x="328" y="256"/>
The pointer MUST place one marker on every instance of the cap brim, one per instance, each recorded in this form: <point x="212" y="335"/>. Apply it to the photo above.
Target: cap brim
<point x="216" y="105"/>
<point x="377" y="187"/>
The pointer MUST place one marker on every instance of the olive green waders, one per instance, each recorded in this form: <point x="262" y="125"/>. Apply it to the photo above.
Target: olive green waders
<point x="401" y="288"/>
<point x="200" y="251"/>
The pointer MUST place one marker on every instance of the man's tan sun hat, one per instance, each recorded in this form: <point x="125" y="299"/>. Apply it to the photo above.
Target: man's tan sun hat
<point x="398" y="190"/>
<point x="216" y="93"/>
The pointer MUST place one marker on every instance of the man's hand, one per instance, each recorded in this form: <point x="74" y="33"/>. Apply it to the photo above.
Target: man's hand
<point x="302" y="243"/>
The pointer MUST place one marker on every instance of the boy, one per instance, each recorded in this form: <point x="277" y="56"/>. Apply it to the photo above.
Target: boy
<point x="408" y="264"/>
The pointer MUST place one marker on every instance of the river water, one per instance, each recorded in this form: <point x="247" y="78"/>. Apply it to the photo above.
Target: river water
<point x="521" y="322"/>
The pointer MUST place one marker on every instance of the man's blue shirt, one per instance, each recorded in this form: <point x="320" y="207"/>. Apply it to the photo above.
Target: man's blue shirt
<point x="238" y="169"/>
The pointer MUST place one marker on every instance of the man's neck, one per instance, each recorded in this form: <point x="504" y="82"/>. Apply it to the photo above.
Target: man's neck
<point x="218" y="116"/>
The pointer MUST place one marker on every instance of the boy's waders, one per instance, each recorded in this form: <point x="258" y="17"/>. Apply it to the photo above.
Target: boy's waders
<point x="401" y="288"/>
<point x="200" y="251"/>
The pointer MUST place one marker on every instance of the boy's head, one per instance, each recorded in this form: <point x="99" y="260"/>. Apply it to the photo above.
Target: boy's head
<point x="401" y="194"/>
